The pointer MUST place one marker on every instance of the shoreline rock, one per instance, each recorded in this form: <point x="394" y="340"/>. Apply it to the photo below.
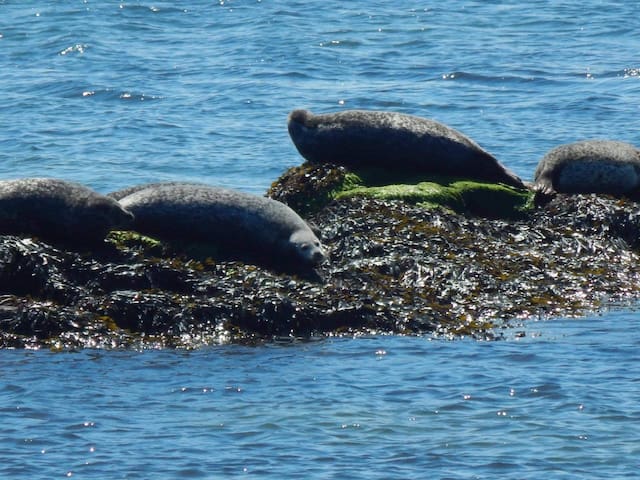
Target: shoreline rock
<point x="309" y="187"/>
<point x="396" y="267"/>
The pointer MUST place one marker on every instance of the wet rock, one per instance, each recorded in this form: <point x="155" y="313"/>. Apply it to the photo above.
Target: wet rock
<point x="395" y="267"/>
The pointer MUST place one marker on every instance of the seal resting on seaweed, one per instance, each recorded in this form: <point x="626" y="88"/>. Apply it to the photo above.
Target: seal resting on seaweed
<point x="237" y="223"/>
<point x="363" y="138"/>
<point x="589" y="166"/>
<point x="58" y="210"/>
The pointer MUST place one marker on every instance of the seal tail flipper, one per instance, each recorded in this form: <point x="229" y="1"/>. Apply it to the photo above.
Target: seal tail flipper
<point x="544" y="186"/>
<point x="494" y="170"/>
<point x="506" y="176"/>
<point x="512" y="179"/>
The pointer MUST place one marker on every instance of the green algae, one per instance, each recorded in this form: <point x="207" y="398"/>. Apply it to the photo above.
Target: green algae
<point x="493" y="200"/>
<point x="456" y="194"/>
<point x="309" y="188"/>
<point x="423" y="194"/>
<point x="130" y="240"/>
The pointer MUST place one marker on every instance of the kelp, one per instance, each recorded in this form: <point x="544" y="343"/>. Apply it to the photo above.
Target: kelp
<point x="395" y="267"/>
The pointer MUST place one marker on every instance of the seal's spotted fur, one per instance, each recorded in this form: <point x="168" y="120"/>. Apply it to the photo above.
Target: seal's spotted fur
<point x="589" y="166"/>
<point x="228" y="219"/>
<point x="58" y="210"/>
<point x="363" y="138"/>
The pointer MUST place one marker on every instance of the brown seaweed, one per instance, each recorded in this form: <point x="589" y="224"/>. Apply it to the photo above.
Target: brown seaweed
<point x="394" y="268"/>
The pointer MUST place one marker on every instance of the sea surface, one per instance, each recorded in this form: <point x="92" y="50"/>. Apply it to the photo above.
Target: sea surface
<point x="554" y="400"/>
<point x="116" y="93"/>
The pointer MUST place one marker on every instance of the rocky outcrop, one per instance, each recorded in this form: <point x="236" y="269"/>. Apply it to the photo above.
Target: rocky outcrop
<point x="397" y="266"/>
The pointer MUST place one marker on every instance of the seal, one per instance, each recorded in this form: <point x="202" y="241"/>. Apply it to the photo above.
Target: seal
<point x="125" y="192"/>
<point x="365" y="138"/>
<point x="58" y="210"/>
<point x="237" y="224"/>
<point x="589" y="166"/>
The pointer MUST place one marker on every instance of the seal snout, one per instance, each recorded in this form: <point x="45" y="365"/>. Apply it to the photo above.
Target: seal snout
<point x="307" y="246"/>
<point x="113" y="213"/>
<point x="319" y="255"/>
<point x="313" y="252"/>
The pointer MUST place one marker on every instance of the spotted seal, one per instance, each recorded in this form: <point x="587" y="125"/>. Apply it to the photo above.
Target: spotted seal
<point x="230" y="220"/>
<point x="58" y="210"/>
<point x="589" y="166"/>
<point x="364" y="138"/>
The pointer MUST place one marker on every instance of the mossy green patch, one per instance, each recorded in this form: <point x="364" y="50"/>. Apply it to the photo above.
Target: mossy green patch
<point x="459" y="195"/>
<point x="494" y="200"/>
<point x="308" y="188"/>
<point x="425" y="194"/>
<point x="127" y="239"/>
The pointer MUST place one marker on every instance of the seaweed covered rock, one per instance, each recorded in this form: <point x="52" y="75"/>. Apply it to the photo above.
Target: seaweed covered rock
<point x="310" y="187"/>
<point x="395" y="267"/>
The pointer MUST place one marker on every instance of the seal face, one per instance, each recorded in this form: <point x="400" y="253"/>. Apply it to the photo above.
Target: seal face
<point x="361" y="138"/>
<point x="589" y="166"/>
<point x="58" y="210"/>
<point x="233" y="221"/>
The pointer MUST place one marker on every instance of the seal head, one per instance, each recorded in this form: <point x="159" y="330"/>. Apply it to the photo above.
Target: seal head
<point x="307" y="247"/>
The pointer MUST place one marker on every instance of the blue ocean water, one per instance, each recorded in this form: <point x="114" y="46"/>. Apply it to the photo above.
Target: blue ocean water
<point x="115" y="93"/>
<point x="558" y="400"/>
<point x="112" y="93"/>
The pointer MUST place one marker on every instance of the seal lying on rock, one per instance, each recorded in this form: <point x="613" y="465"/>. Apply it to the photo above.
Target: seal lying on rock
<point x="361" y="138"/>
<point x="236" y="222"/>
<point x="589" y="166"/>
<point x="58" y="210"/>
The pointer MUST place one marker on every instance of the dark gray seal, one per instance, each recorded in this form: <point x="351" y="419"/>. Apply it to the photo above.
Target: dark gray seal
<point x="58" y="210"/>
<point x="233" y="222"/>
<point x="362" y="138"/>
<point x="589" y="166"/>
